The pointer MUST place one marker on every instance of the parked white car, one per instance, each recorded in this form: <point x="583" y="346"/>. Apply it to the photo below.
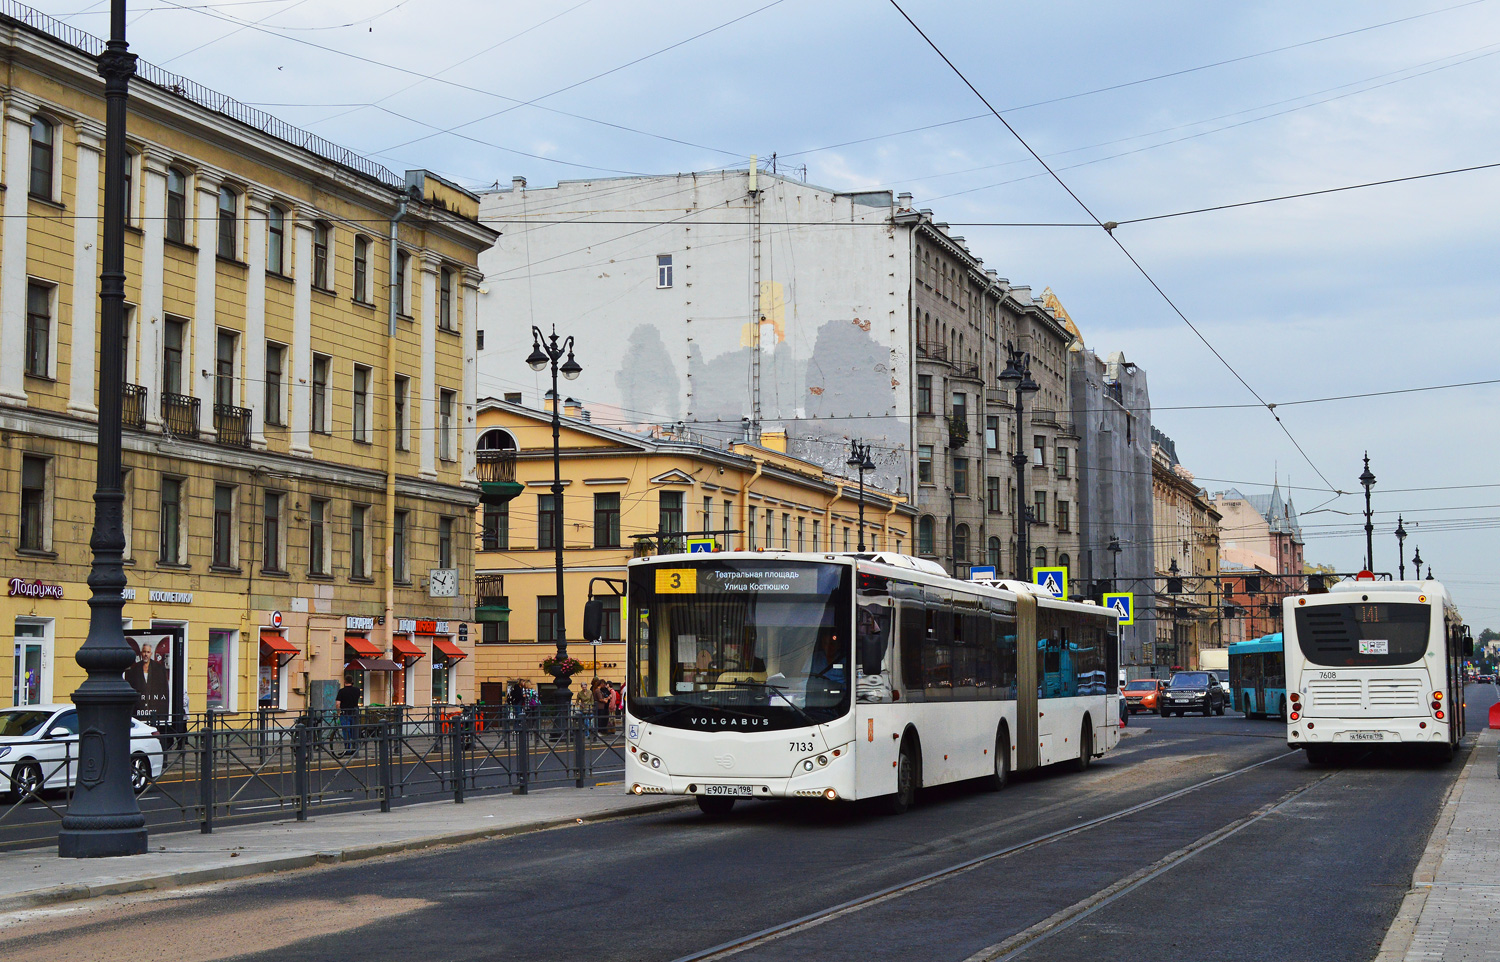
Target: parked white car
<point x="39" y="750"/>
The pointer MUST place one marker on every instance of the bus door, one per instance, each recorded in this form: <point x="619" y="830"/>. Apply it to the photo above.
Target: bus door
<point x="1027" y="680"/>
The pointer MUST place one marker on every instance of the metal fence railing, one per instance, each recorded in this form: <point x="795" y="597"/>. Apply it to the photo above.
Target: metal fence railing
<point x="222" y="768"/>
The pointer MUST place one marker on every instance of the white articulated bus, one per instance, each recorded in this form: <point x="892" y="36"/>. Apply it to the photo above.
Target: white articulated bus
<point x="1374" y="662"/>
<point x="844" y="677"/>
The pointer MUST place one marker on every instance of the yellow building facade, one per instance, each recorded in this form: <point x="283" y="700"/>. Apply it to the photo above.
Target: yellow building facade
<point x="627" y="495"/>
<point x="298" y="499"/>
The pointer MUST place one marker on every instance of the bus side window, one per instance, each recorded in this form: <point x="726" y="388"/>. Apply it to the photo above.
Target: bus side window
<point x="913" y="637"/>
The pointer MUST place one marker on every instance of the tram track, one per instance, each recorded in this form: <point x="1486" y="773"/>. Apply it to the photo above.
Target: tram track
<point x="901" y="889"/>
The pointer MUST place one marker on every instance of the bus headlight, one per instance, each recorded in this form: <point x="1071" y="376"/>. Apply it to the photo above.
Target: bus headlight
<point x="822" y="759"/>
<point x="655" y="762"/>
<point x="807" y="766"/>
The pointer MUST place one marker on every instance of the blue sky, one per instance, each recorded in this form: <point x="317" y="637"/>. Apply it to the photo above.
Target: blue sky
<point x="1371" y="290"/>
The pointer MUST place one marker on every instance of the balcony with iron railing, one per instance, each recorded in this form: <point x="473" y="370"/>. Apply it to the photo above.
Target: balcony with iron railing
<point x="133" y="406"/>
<point x="932" y="350"/>
<point x="489" y="599"/>
<point x="179" y="416"/>
<point x="496" y="471"/>
<point x="232" y="425"/>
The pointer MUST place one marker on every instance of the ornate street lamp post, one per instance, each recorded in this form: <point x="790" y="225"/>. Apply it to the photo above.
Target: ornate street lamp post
<point x="103" y="817"/>
<point x="1368" y="481"/>
<point x="1416" y="561"/>
<point x="859" y="459"/>
<point x="1401" y="547"/>
<point x="1017" y="377"/>
<point x="545" y="350"/>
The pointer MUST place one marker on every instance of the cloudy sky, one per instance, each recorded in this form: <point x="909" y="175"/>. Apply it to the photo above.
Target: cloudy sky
<point x="1143" y="109"/>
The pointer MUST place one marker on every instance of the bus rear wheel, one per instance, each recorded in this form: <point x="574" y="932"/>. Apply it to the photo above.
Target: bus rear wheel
<point x="1441" y="754"/>
<point x="715" y="806"/>
<point x="908" y="780"/>
<point x="1085" y="747"/>
<point x="996" y="781"/>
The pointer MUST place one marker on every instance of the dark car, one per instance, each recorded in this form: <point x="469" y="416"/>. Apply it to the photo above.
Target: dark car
<point x="1192" y="691"/>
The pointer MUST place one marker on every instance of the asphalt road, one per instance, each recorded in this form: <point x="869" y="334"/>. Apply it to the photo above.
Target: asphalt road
<point x="1277" y="861"/>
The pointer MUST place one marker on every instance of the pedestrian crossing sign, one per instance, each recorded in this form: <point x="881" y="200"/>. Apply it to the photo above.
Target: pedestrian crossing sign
<point x="1054" y="580"/>
<point x="700" y="545"/>
<point x="1123" y="603"/>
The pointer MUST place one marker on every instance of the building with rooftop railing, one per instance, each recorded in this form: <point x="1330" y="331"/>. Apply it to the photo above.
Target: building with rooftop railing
<point x="299" y="499"/>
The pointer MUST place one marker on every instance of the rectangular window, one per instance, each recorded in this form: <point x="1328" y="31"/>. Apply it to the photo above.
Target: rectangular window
<point x="1039" y="507"/>
<point x="176" y="227"/>
<point x="398" y="547"/>
<point x="801" y="545"/>
<point x="320" y="367"/>
<point x="607" y="520"/>
<point x="726" y="526"/>
<point x="708" y="515"/>
<point x="271" y="559"/>
<point x="817" y="545"/>
<point x="362" y="270"/>
<point x="924" y="393"/>
<point x="992" y="502"/>
<point x="960" y="407"/>
<point x="43" y="143"/>
<point x="398" y="421"/>
<point x="275" y="240"/>
<point x="228" y="222"/>
<point x="446" y="402"/>
<point x="669" y="512"/>
<point x="770" y="540"/>
<point x="174" y="334"/>
<point x="275" y="364"/>
<point x="497" y="632"/>
<point x="169" y="532"/>
<point x="445" y="542"/>
<point x="34" y="504"/>
<point x="359" y="541"/>
<point x="786" y="531"/>
<point x="129" y="179"/>
<point x="220" y="670"/>
<point x="546" y="617"/>
<point x="751" y="526"/>
<point x="1062" y="516"/>
<point x="317" y="537"/>
<point x="546" y="521"/>
<point x="361" y="403"/>
<point x="224" y="533"/>
<point x="1038" y="450"/>
<point x="496" y="534"/>
<point x="403" y="264"/>
<point x="224" y="352"/>
<point x="846" y="538"/>
<point x="1062" y="461"/>
<point x="663" y="270"/>
<point x="960" y="475"/>
<point x="445" y="300"/>
<point x="320" y="256"/>
<point x="924" y="464"/>
<point x="611" y="621"/>
<point x="992" y="432"/>
<point x="38" y="329"/>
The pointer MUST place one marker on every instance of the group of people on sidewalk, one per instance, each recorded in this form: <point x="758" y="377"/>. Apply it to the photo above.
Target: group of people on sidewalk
<point x="608" y="701"/>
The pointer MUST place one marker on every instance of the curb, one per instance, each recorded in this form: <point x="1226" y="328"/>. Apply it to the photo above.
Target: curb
<point x="1403" y="930"/>
<point x="78" y="892"/>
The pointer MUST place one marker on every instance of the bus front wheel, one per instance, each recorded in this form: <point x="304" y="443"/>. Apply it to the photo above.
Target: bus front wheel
<point x="996" y="781"/>
<point x="715" y="806"/>
<point x="908" y="780"/>
<point x="1085" y="747"/>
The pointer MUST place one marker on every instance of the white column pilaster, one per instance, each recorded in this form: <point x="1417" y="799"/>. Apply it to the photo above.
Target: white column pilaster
<point x="300" y="413"/>
<point x="254" y="393"/>
<point x="88" y="210"/>
<point x="427" y="321"/>
<point x="148" y="315"/>
<point x="205" y="216"/>
<point x="470" y="392"/>
<point x="18" y="111"/>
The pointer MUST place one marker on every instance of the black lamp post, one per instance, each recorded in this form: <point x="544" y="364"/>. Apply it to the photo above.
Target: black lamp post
<point x="545" y="350"/>
<point x="859" y="459"/>
<point x="1368" y="481"/>
<point x="1017" y="377"/>
<point x="1416" y="562"/>
<point x="1114" y="558"/>
<point x="103" y="817"/>
<point x="1401" y="547"/>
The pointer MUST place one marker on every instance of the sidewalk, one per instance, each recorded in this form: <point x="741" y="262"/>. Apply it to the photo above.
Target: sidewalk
<point x="1449" y="914"/>
<point x="33" y="878"/>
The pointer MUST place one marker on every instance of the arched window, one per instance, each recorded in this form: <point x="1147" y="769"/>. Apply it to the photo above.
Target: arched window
<point x="496" y="439"/>
<point x="1041" y="557"/>
<point x="992" y="557"/>
<point x="43" y="151"/>
<point x="229" y="208"/>
<point x="1063" y="561"/>
<point x="275" y="240"/>
<point x="961" y="544"/>
<point x="362" y="269"/>
<point x="176" y="205"/>
<point x="924" y="535"/>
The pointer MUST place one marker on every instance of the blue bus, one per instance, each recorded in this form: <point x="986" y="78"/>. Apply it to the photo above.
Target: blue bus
<point x="1257" y="677"/>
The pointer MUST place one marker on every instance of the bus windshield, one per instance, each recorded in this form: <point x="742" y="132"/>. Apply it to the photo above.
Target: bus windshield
<point x="740" y="645"/>
<point x="1359" y="635"/>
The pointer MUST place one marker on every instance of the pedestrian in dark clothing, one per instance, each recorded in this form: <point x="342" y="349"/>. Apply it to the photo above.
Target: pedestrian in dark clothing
<point x="516" y="698"/>
<point x="601" y="706"/>
<point x="348" y="701"/>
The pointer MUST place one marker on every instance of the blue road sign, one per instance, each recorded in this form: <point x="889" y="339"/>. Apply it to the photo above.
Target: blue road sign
<point x="1054" y="580"/>
<point x="1123" y="603"/>
<point x="701" y="546"/>
<point x="982" y="573"/>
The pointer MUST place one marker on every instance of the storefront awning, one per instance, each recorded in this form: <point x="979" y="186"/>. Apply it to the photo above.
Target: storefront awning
<point x="272" y="643"/>
<point x="362" y="646"/>
<point x="406" y="649"/>
<point x="372" y="664"/>
<point x="448" y="648"/>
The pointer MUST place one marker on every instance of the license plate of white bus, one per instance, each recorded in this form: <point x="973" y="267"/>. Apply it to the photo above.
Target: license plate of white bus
<point x="745" y="790"/>
<point x="1367" y="736"/>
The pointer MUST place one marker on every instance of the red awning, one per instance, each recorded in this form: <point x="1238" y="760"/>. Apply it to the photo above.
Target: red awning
<point x="448" y="648"/>
<point x="363" y="647"/>
<point x="372" y="664"/>
<point x="406" y="649"/>
<point x="272" y="643"/>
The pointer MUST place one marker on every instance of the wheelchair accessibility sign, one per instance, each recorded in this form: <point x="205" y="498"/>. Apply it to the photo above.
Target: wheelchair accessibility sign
<point x="1054" y="580"/>
<point x="1123" y="605"/>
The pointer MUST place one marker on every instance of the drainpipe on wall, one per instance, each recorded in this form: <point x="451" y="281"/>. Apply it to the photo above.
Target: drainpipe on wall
<point x="393" y="294"/>
<point x="838" y="495"/>
<point x="745" y="504"/>
<point x="889" y="512"/>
